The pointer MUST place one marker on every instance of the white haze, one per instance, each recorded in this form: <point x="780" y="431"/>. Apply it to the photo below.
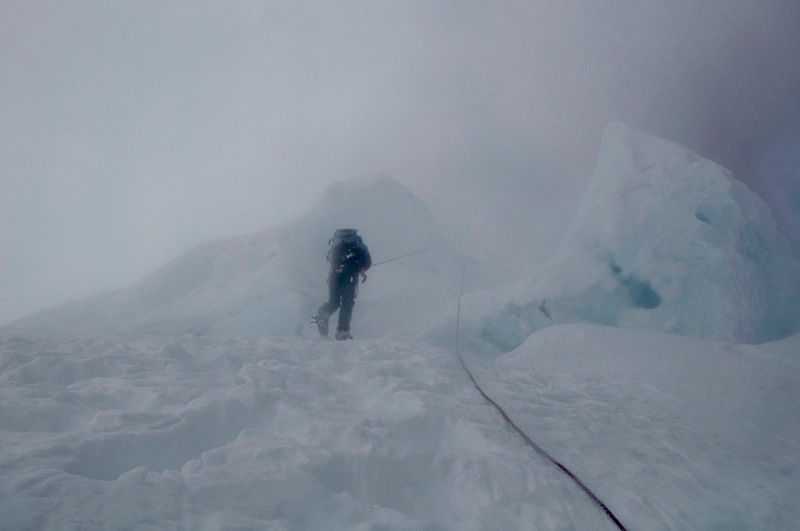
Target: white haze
<point x="130" y="132"/>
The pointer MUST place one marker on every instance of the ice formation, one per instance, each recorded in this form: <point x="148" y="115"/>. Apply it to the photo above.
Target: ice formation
<point x="663" y="240"/>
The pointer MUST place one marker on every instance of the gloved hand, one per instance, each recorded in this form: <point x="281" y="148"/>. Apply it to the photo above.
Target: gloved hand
<point x="363" y="277"/>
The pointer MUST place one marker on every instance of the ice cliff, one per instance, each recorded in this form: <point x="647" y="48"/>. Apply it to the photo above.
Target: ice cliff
<point x="663" y="240"/>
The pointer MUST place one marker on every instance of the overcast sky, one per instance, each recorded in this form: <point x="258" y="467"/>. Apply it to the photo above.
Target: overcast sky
<point x="131" y="131"/>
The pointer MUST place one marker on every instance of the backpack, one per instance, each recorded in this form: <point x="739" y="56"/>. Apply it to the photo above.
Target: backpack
<point x="347" y="237"/>
<point x="344" y="249"/>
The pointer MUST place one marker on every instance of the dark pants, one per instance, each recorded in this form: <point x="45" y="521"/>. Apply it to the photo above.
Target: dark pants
<point x="342" y="296"/>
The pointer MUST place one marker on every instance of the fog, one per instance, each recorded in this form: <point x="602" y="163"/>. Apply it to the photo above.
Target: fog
<point x="130" y="132"/>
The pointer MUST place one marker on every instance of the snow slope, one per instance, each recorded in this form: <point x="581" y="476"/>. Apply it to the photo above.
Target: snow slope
<point x="189" y="432"/>
<point x="663" y="240"/>
<point x="201" y="398"/>
<point x="205" y="433"/>
<point x="695" y="434"/>
<point x="271" y="282"/>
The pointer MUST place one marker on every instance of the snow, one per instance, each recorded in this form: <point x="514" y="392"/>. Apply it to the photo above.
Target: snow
<point x="201" y="397"/>
<point x="692" y="434"/>
<point x="280" y="433"/>
<point x="290" y="433"/>
<point x="667" y="241"/>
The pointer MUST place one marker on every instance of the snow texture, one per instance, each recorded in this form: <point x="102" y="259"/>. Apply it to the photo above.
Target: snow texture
<point x="663" y="240"/>
<point x="288" y="433"/>
<point x="201" y="397"/>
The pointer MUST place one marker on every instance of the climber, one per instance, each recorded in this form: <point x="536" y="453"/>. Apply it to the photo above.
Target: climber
<point x="349" y="259"/>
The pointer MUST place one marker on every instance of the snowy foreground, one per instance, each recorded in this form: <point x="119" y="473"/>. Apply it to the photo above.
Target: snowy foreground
<point x="276" y="433"/>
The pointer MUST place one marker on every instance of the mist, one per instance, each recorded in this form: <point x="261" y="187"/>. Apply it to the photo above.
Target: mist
<point x="131" y="132"/>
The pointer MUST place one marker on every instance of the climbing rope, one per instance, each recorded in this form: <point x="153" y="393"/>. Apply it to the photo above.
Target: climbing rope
<point x="500" y="409"/>
<point x="516" y="428"/>
<point x="409" y="254"/>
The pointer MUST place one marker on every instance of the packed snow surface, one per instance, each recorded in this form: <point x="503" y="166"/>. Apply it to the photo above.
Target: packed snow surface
<point x="289" y="433"/>
<point x="202" y="398"/>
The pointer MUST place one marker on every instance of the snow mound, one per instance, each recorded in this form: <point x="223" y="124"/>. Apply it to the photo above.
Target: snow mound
<point x="271" y="282"/>
<point x="663" y="240"/>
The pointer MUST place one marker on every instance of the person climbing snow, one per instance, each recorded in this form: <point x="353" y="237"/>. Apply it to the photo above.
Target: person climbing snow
<point x="349" y="258"/>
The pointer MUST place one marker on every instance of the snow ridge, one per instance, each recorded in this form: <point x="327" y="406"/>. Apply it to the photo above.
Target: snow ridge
<point x="271" y="282"/>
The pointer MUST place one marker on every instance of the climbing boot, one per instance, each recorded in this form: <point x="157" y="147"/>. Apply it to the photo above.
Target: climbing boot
<point x="321" y="320"/>
<point x="343" y="335"/>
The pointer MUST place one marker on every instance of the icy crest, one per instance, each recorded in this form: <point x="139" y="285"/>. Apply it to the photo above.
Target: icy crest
<point x="271" y="282"/>
<point x="663" y="240"/>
